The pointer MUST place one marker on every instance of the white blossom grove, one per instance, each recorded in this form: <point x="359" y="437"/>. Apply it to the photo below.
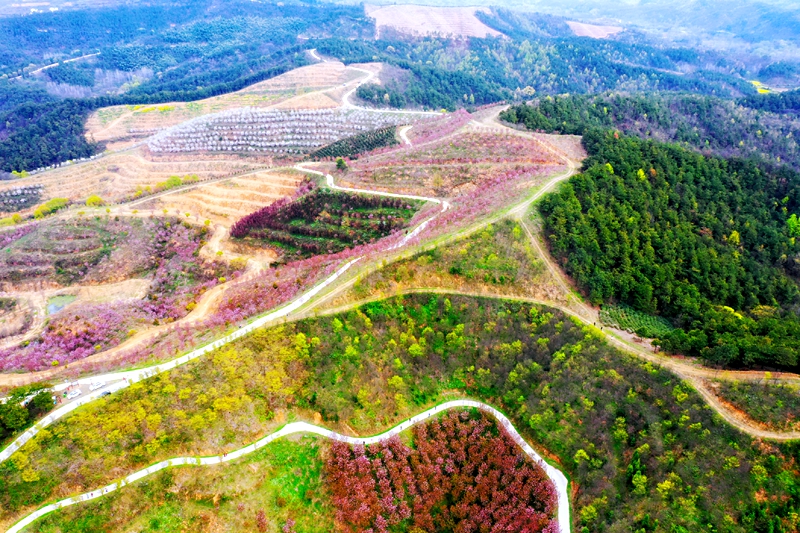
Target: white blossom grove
<point x="273" y="131"/>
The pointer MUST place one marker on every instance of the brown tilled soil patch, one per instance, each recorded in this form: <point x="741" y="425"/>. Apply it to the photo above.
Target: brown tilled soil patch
<point x="227" y="201"/>
<point x="117" y="176"/>
<point x="427" y="20"/>
<point x="316" y="76"/>
<point x="312" y="100"/>
<point x="592" y="30"/>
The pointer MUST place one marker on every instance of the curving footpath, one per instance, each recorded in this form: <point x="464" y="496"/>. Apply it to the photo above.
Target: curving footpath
<point x="121" y="380"/>
<point x="680" y="369"/>
<point x="346" y="104"/>
<point x="125" y="379"/>
<point x="556" y="476"/>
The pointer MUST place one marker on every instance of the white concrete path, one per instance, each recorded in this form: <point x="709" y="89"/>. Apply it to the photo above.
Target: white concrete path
<point x="403" y="132"/>
<point x="121" y="380"/>
<point x="124" y="379"/>
<point x="556" y="476"/>
<point x="416" y="231"/>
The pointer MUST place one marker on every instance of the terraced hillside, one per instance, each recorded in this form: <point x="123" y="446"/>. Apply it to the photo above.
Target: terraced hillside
<point x="225" y="202"/>
<point x="119" y="127"/>
<point x="452" y="156"/>
<point x="117" y="177"/>
<point x="276" y="132"/>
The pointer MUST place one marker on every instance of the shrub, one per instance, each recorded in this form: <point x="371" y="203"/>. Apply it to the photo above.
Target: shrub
<point x="10" y="221"/>
<point x="50" y="206"/>
<point x="629" y="319"/>
<point x="94" y="201"/>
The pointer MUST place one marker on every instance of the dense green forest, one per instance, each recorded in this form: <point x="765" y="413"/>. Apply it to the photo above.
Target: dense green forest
<point x="69" y="74"/>
<point x="542" y="64"/>
<point x="12" y="96"/>
<point x="711" y="244"/>
<point x="706" y="123"/>
<point x="787" y="102"/>
<point x="41" y="134"/>
<point x="165" y="35"/>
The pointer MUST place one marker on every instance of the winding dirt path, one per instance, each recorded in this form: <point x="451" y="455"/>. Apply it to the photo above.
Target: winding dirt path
<point x="693" y="374"/>
<point x="206" y="305"/>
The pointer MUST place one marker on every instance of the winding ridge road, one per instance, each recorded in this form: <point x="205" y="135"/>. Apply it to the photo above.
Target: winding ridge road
<point x="556" y="476"/>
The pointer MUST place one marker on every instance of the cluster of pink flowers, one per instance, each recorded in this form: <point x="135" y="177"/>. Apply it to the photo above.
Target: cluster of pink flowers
<point x="463" y="474"/>
<point x="9" y="236"/>
<point x="504" y="188"/>
<point x="77" y="332"/>
<point x="438" y="127"/>
<point x="251" y="296"/>
<point x="468" y="148"/>
<point x="74" y="335"/>
<point x="260" y="218"/>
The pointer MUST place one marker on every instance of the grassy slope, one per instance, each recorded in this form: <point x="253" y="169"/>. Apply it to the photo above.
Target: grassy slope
<point x="283" y="480"/>
<point x="497" y="260"/>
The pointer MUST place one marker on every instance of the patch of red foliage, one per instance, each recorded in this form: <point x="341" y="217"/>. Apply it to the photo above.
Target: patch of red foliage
<point x="465" y="474"/>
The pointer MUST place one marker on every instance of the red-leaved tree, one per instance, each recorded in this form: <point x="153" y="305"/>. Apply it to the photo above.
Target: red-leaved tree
<point x="464" y="475"/>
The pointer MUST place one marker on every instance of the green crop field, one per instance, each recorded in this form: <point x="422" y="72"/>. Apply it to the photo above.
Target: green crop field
<point x="629" y="319"/>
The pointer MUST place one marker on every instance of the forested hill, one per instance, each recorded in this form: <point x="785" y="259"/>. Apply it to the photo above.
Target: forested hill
<point x="788" y="102"/>
<point x="709" y="243"/>
<point x="706" y="123"/>
<point x="157" y="53"/>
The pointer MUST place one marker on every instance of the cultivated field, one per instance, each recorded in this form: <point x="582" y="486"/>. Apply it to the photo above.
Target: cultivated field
<point x="446" y="164"/>
<point x="427" y="20"/>
<point x="592" y="30"/>
<point x="269" y="131"/>
<point x="122" y="126"/>
<point x="118" y="176"/>
<point x="227" y="201"/>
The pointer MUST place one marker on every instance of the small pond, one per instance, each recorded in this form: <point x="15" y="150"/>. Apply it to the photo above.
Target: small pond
<point x="57" y="303"/>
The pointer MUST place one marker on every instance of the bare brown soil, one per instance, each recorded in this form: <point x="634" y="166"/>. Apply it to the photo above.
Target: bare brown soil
<point x="592" y="30"/>
<point x="117" y="176"/>
<point x="225" y="202"/>
<point x="427" y="20"/>
<point x="15" y="321"/>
